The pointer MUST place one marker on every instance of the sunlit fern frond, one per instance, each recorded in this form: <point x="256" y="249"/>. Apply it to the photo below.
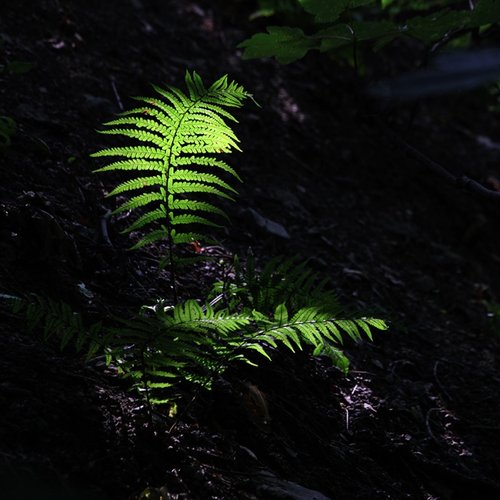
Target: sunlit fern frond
<point x="175" y="161"/>
<point x="191" y="343"/>
<point x="164" y="347"/>
<point x="158" y="349"/>
<point x="292" y="306"/>
<point x="317" y="327"/>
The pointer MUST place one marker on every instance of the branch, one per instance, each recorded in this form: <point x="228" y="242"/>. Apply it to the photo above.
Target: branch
<point x="460" y="181"/>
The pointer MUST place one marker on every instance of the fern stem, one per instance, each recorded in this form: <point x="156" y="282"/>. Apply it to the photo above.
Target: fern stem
<point x="173" y="277"/>
<point x="145" y="384"/>
<point x="166" y="175"/>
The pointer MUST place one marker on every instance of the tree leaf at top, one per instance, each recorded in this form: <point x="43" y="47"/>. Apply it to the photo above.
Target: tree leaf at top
<point x="328" y="11"/>
<point x="284" y="43"/>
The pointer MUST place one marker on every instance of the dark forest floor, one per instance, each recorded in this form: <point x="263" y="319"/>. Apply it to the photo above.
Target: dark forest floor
<point x="418" y="415"/>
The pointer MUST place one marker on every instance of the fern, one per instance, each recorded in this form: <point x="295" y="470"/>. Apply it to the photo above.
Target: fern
<point x="175" y="162"/>
<point x="291" y="305"/>
<point x="281" y="281"/>
<point x="58" y="320"/>
<point x="184" y="343"/>
<point x="190" y="343"/>
<point x="317" y="327"/>
<point x="7" y="130"/>
<point x="164" y="347"/>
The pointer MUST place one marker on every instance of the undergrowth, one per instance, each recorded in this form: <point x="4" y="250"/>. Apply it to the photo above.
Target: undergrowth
<point x="164" y="345"/>
<point x="172" y="343"/>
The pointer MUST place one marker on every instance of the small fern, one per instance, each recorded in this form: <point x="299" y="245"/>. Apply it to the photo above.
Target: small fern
<point x="171" y="345"/>
<point x="7" y="130"/>
<point x="190" y="343"/>
<point x="58" y="320"/>
<point x="176" y="162"/>
<point x="282" y="281"/>
<point x="293" y="306"/>
<point x="165" y="346"/>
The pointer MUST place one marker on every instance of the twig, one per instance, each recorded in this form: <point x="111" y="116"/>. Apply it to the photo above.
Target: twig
<point x="438" y="382"/>
<point x="104" y="227"/>
<point x="117" y="95"/>
<point x="428" y="425"/>
<point x="486" y="427"/>
<point x="461" y="181"/>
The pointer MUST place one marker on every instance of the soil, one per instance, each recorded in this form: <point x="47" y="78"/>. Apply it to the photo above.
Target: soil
<point x="417" y="415"/>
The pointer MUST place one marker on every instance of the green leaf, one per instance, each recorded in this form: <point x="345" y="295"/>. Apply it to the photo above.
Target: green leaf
<point x="435" y="26"/>
<point x="19" y="67"/>
<point x="486" y="12"/>
<point x="323" y="10"/>
<point x="281" y="314"/>
<point x="334" y="37"/>
<point x="284" y="43"/>
<point x="342" y="35"/>
<point x="328" y="11"/>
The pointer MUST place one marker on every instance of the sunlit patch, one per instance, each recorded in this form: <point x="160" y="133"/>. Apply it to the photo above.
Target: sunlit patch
<point x="288" y="107"/>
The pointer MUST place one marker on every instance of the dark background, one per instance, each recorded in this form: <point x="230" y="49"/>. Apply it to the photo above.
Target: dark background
<point x="417" y="417"/>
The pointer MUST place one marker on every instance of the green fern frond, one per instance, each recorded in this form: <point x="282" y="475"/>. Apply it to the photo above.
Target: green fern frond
<point x="58" y="320"/>
<point x="293" y="307"/>
<point x="281" y="281"/>
<point x="182" y="187"/>
<point x="140" y="135"/>
<point x="139" y="122"/>
<point x="161" y="347"/>
<point x="309" y="326"/>
<point x="179" y="135"/>
<point x="189" y="176"/>
<point x="206" y="161"/>
<point x="183" y="237"/>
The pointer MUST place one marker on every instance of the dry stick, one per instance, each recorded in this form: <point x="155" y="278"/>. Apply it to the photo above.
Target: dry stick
<point x="428" y="425"/>
<point x="461" y="181"/>
<point x="116" y="94"/>
<point x="438" y="382"/>
<point x="104" y="227"/>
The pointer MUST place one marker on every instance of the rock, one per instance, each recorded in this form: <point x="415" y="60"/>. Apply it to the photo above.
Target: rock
<point x="289" y="200"/>
<point x="98" y="105"/>
<point x="425" y="284"/>
<point x="272" y="487"/>
<point x="265" y="224"/>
